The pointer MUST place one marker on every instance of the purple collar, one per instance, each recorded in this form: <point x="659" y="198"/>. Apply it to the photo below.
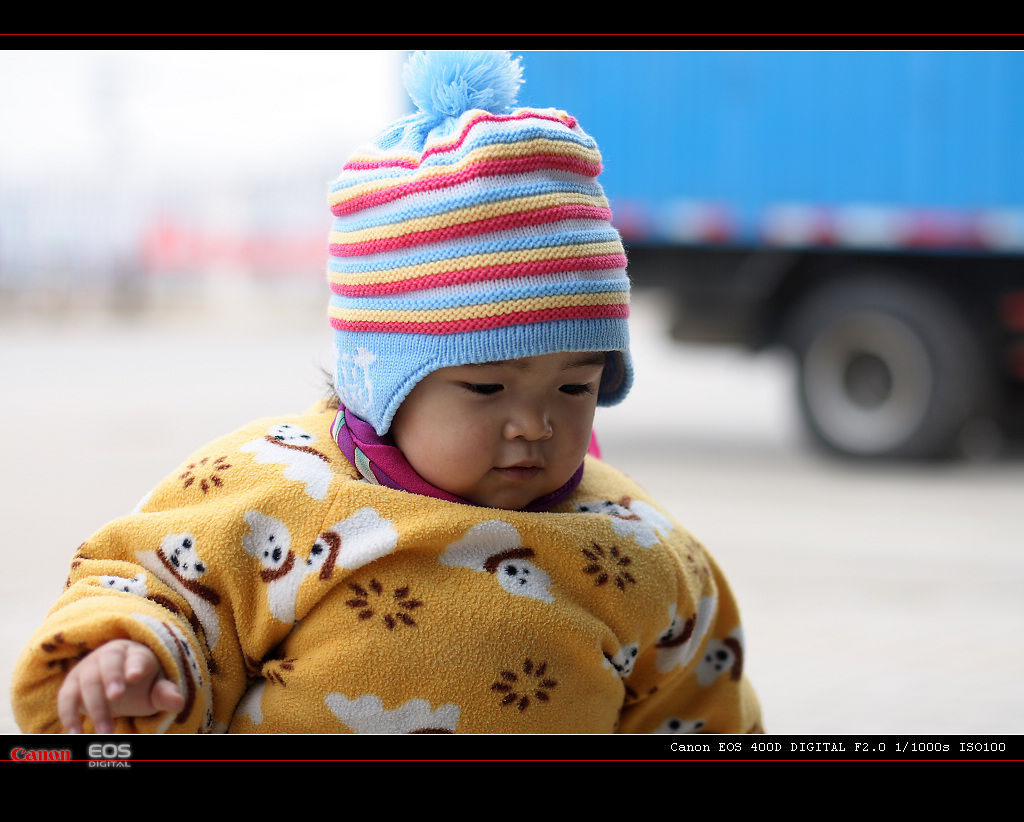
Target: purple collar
<point x="379" y="461"/>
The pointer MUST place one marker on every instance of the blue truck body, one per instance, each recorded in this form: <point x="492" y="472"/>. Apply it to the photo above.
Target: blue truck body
<point x="863" y="209"/>
<point x="748" y="132"/>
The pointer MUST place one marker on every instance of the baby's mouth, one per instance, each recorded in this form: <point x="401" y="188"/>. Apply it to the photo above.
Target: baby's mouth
<point x="521" y="472"/>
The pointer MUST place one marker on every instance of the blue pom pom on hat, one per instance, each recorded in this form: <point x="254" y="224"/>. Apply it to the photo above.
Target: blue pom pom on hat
<point x="446" y="84"/>
<point x="471" y="231"/>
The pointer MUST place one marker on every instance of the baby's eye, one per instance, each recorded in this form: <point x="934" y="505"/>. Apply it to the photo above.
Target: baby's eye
<point x="485" y="388"/>
<point x="576" y="389"/>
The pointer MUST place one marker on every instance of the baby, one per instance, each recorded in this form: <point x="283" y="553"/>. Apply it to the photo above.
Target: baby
<point x="439" y="548"/>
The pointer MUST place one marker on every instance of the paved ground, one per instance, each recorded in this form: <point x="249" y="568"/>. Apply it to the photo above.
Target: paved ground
<point x="876" y="599"/>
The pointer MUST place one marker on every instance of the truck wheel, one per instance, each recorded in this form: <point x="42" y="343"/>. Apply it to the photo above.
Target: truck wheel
<point x="886" y="369"/>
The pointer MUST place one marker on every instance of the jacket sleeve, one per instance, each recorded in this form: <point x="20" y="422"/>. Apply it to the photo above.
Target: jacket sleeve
<point x="186" y="574"/>
<point x="689" y="678"/>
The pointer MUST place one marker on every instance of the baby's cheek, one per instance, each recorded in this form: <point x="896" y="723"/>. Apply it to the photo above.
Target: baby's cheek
<point x="450" y="465"/>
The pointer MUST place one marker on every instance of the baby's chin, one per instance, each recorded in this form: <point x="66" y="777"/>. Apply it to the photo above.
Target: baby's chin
<point x="514" y="489"/>
<point x="504" y="502"/>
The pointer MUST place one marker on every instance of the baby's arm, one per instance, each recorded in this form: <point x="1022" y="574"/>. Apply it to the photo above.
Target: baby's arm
<point x="120" y="678"/>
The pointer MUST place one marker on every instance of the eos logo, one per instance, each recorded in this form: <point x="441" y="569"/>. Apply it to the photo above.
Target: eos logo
<point x="109" y="755"/>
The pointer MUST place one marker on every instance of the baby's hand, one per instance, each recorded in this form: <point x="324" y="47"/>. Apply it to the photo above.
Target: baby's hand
<point x="120" y="678"/>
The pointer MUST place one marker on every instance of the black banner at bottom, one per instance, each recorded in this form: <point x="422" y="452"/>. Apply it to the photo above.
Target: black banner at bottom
<point x="123" y="752"/>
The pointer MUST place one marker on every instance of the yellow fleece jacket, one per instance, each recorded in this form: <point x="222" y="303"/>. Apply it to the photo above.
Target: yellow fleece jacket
<point x="285" y="594"/>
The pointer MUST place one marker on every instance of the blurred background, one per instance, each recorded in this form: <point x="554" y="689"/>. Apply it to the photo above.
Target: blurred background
<point x="826" y="249"/>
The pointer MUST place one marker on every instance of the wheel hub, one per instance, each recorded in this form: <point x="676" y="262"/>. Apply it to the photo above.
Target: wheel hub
<point x="867" y="380"/>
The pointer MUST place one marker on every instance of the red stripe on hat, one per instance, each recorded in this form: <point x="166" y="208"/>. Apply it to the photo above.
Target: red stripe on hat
<point x="500" y="223"/>
<point x="483" y="274"/>
<point x="498" y="118"/>
<point x="486" y="168"/>
<point x="582" y="312"/>
<point x="458" y="143"/>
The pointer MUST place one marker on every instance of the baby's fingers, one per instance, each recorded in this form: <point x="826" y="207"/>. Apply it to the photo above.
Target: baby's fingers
<point x="166" y="696"/>
<point x="69" y="701"/>
<point x="84" y="692"/>
<point x="112" y="663"/>
<point x="120" y="678"/>
<point x="140" y="664"/>
<point x="146" y="691"/>
<point x="95" y="703"/>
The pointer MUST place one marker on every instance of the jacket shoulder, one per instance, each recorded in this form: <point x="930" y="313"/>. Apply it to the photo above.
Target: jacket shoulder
<point x="293" y="451"/>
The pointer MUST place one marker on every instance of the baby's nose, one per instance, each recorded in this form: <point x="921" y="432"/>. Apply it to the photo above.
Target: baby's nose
<point x="528" y="423"/>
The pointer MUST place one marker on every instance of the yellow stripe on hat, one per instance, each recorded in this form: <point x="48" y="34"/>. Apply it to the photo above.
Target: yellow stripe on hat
<point x="470" y="214"/>
<point x="475" y="261"/>
<point x="472" y="312"/>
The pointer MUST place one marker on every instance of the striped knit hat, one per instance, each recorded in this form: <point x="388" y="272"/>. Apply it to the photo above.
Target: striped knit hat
<point x="468" y="232"/>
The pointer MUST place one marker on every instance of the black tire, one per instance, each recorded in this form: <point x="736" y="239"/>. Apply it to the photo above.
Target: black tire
<point x="887" y="369"/>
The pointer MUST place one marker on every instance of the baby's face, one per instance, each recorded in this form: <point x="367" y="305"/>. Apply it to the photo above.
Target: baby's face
<point x="501" y="434"/>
